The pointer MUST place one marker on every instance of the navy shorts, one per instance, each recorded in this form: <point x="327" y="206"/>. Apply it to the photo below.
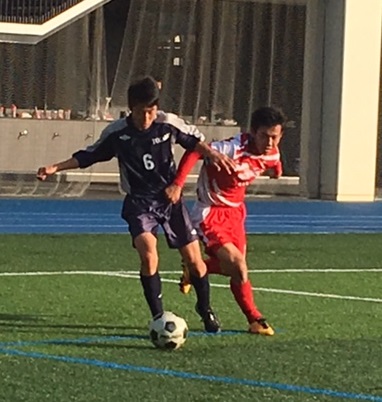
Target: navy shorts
<point x="147" y="215"/>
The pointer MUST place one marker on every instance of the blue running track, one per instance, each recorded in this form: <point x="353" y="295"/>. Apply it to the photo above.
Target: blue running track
<point x="94" y="216"/>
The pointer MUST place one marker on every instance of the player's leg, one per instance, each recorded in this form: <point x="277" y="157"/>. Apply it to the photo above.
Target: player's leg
<point x="223" y="233"/>
<point x="143" y="227"/>
<point x="146" y="245"/>
<point x="180" y="234"/>
<point x="192" y="258"/>
<point x="210" y="223"/>
<point x="231" y="256"/>
<point x="206" y="221"/>
<point x="233" y="264"/>
<point x="198" y="213"/>
<point x="185" y="280"/>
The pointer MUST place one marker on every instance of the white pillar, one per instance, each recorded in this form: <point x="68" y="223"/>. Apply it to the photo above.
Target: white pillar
<point x="350" y="98"/>
<point x="311" y="118"/>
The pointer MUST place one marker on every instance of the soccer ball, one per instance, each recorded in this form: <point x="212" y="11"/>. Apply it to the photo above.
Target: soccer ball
<point x="168" y="331"/>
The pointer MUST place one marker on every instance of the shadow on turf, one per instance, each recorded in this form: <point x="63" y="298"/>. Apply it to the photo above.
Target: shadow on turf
<point x="23" y="317"/>
<point x="36" y="323"/>
<point x="26" y="323"/>
<point x="109" y="345"/>
<point x="85" y="329"/>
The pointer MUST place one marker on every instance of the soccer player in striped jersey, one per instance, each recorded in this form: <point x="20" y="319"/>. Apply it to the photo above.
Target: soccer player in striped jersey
<point x="143" y="144"/>
<point x="219" y="213"/>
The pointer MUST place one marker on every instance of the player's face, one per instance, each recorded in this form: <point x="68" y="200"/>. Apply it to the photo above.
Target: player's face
<point x="143" y="116"/>
<point x="265" y="139"/>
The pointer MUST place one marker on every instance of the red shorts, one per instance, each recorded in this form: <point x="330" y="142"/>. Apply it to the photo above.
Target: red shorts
<point x="217" y="226"/>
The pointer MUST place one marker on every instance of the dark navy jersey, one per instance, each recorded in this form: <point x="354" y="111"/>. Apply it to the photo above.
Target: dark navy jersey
<point x="146" y="158"/>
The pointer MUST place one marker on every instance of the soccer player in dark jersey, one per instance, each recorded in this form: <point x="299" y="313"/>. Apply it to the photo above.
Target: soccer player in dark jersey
<point x="143" y="143"/>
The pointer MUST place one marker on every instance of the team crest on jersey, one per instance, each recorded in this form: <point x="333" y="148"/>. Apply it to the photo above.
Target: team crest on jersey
<point x="159" y="140"/>
<point x="124" y="137"/>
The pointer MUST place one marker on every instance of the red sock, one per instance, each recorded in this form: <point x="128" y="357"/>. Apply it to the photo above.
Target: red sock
<point x="244" y="298"/>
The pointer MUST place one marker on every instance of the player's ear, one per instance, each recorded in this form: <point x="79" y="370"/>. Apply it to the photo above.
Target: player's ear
<point x="282" y="131"/>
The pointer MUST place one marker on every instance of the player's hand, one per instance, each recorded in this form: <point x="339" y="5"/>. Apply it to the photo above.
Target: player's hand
<point x="45" y="171"/>
<point x="221" y="161"/>
<point x="173" y="193"/>
<point x="273" y="174"/>
<point x="276" y="172"/>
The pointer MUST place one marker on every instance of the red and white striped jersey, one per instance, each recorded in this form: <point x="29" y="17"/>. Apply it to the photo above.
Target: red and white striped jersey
<point x="222" y="189"/>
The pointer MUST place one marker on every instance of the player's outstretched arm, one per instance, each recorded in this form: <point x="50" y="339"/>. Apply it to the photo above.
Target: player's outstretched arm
<point x="188" y="161"/>
<point x="45" y="171"/>
<point x="277" y="170"/>
<point x="219" y="160"/>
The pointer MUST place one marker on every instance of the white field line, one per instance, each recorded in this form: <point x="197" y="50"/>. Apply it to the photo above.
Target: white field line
<point x="52" y="273"/>
<point x="251" y="271"/>
<point x="274" y="271"/>
<point x="319" y="270"/>
<point x="283" y="271"/>
<point x="282" y="291"/>
<point x="135" y="275"/>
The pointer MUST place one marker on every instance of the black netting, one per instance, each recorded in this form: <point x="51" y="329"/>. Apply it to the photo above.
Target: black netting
<point x="217" y="60"/>
<point x="65" y="71"/>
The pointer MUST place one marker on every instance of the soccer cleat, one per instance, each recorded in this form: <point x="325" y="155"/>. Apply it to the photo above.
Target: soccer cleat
<point x="185" y="282"/>
<point x="261" y="327"/>
<point x="210" y="320"/>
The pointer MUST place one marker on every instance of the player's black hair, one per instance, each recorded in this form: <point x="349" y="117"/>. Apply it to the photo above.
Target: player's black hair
<point x="143" y="91"/>
<point x="267" y="116"/>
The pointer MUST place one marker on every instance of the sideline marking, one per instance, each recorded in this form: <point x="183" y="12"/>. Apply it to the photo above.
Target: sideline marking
<point x="135" y="275"/>
<point x="287" y="270"/>
<point x="194" y="376"/>
<point x="284" y="291"/>
<point x="307" y="217"/>
<point x="319" y="270"/>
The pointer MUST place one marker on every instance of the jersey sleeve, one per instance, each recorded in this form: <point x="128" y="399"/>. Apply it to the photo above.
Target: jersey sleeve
<point x="278" y="169"/>
<point x="188" y="161"/>
<point x="274" y="165"/>
<point x="226" y="147"/>
<point x="102" y="150"/>
<point x="186" y="135"/>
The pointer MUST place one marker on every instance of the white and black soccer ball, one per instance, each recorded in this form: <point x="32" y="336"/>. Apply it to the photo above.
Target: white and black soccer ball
<point x="168" y="331"/>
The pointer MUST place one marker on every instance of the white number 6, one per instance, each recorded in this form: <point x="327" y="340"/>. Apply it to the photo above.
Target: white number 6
<point x="148" y="162"/>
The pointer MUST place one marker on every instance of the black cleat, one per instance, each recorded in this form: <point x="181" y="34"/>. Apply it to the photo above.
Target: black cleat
<point x="210" y="320"/>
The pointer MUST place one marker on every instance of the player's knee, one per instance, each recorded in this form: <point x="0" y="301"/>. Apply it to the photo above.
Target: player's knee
<point x="192" y="257"/>
<point x="196" y="266"/>
<point x="239" y="271"/>
<point x="149" y="263"/>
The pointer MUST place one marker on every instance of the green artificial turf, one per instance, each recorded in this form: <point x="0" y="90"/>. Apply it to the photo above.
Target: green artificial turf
<point x="83" y="337"/>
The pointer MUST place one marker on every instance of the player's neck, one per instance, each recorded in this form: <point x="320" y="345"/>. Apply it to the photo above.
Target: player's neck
<point x="253" y="149"/>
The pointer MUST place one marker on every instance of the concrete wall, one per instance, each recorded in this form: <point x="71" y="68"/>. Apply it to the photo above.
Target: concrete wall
<point x="27" y="144"/>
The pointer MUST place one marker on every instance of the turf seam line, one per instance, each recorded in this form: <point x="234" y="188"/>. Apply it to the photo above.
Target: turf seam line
<point x="195" y="376"/>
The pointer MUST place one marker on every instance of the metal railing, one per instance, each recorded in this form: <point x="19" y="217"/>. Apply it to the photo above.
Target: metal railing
<point x="33" y="11"/>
